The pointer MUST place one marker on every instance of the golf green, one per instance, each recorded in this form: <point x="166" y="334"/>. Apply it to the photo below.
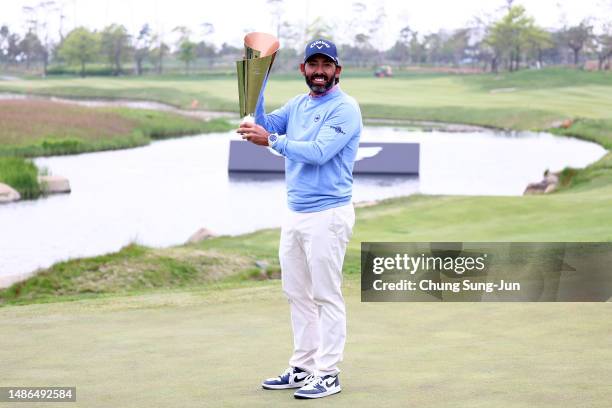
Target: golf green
<point x="213" y="348"/>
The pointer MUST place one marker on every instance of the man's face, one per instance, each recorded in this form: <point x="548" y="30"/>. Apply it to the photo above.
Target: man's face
<point x="320" y="73"/>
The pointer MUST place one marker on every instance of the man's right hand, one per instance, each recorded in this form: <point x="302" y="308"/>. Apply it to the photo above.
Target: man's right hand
<point x="254" y="133"/>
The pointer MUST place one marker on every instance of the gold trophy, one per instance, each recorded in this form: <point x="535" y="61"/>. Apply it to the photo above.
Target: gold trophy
<point x="259" y="52"/>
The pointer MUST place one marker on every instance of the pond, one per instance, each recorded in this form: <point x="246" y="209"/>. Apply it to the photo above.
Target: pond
<point x="158" y="195"/>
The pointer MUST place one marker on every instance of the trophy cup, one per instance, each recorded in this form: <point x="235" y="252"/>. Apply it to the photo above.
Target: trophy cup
<point x="259" y="52"/>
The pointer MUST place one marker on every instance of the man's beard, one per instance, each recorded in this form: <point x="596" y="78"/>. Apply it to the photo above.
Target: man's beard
<point x="319" y="89"/>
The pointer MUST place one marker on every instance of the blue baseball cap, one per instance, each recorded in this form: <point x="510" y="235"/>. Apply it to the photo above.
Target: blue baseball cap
<point x="323" y="47"/>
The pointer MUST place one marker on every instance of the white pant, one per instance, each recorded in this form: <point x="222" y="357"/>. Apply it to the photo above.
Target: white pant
<point x="311" y="253"/>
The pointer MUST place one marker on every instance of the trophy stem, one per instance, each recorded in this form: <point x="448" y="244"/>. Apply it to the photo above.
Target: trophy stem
<point x="248" y="119"/>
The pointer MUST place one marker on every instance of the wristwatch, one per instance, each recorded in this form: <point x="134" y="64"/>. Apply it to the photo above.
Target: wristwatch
<point x="272" y="139"/>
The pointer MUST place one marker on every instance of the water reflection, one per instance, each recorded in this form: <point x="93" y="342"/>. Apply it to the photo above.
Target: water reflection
<point x="249" y="177"/>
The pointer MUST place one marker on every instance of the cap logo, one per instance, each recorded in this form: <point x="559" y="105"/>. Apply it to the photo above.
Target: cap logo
<point x="319" y="44"/>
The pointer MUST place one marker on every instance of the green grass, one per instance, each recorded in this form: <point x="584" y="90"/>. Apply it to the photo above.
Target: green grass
<point x="177" y="324"/>
<point x="539" y="98"/>
<point x="211" y="347"/>
<point x="161" y="125"/>
<point x="133" y="269"/>
<point x="543" y="79"/>
<point x="596" y="130"/>
<point x="41" y="128"/>
<point x="20" y="174"/>
<point x="599" y="173"/>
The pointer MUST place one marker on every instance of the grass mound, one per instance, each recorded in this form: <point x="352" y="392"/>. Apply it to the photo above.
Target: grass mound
<point x="21" y="174"/>
<point x="134" y="268"/>
<point x="41" y="128"/>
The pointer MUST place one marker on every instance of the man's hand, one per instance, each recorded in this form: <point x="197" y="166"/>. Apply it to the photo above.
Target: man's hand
<point x="254" y="133"/>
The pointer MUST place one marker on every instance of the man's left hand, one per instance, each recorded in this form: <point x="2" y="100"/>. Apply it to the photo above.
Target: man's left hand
<point x="254" y="133"/>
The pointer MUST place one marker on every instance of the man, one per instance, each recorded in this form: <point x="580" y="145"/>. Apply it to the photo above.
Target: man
<point x="318" y="134"/>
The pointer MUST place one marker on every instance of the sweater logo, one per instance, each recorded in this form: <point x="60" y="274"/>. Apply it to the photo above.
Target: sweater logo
<point x="338" y="129"/>
<point x="317" y="118"/>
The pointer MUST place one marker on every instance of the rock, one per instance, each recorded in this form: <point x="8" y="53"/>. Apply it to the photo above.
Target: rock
<point x="8" y="194"/>
<point x="535" y="188"/>
<point x="54" y="184"/>
<point x="266" y="271"/>
<point x="562" y="123"/>
<point x="550" y="188"/>
<point x="201" y="235"/>
<point x="263" y="270"/>
<point x="551" y="178"/>
<point x="548" y="185"/>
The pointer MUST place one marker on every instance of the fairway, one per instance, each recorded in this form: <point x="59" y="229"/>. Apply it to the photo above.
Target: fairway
<point x="213" y="348"/>
<point x="524" y="100"/>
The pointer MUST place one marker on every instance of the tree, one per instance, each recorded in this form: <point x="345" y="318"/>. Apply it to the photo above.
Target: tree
<point x="80" y="46"/>
<point x="376" y="33"/>
<point x="538" y="40"/>
<point x="289" y="35"/>
<point x="142" y="47"/>
<point x="367" y="33"/>
<point x="46" y="9"/>
<point x="4" y="42"/>
<point x="400" y="50"/>
<point x="577" y="37"/>
<point x="363" y="52"/>
<point x="186" y="47"/>
<point x="115" y="45"/>
<point x="31" y="48"/>
<point x="13" y="50"/>
<point x="432" y="43"/>
<point x="457" y="45"/>
<point x="205" y="51"/>
<point x="187" y="53"/>
<point x="417" y="50"/>
<point x="603" y="46"/>
<point x="183" y="32"/>
<point x="158" y="54"/>
<point x="319" y="28"/>
<point x="227" y="49"/>
<point x="510" y="36"/>
<point x="39" y="38"/>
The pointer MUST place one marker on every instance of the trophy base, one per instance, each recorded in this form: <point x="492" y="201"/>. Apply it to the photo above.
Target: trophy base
<point x="248" y="119"/>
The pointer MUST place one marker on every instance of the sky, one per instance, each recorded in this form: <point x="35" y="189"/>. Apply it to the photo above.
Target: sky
<point x="233" y="18"/>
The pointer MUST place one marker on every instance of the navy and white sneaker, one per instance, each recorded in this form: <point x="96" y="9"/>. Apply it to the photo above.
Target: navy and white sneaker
<point x="319" y="387"/>
<point x="293" y="377"/>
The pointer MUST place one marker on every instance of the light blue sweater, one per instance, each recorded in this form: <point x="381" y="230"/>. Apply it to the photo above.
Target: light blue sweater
<point x="320" y="144"/>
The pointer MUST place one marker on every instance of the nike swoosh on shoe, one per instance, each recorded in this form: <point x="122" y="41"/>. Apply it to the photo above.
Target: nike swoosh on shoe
<point x="330" y="384"/>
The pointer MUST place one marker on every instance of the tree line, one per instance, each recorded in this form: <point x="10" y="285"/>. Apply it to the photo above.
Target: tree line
<point x="510" y="42"/>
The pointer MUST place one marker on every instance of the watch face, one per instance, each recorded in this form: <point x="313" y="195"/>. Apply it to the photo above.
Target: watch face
<point x="272" y="138"/>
